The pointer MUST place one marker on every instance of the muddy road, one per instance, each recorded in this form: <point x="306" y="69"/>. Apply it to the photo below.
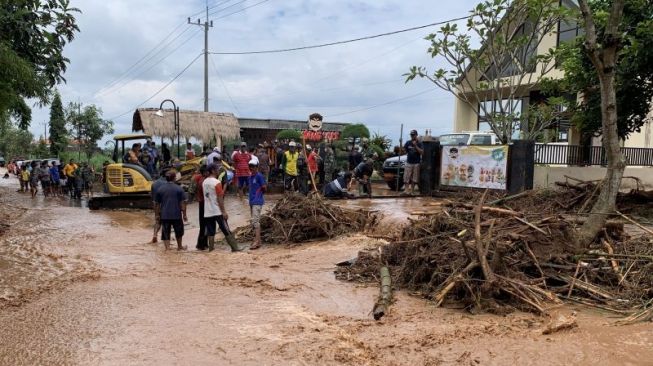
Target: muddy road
<point x="86" y="288"/>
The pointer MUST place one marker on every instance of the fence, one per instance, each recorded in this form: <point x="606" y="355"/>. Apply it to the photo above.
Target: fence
<point x="551" y="154"/>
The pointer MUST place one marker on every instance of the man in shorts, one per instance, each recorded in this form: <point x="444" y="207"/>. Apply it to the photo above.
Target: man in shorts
<point x="257" y="186"/>
<point x="170" y="203"/>
<point x="414" y="150"/>
<point x="214" y="210"/>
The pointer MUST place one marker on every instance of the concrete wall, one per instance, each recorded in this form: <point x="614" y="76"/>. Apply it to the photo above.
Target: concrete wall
<point x="546" y="176"/>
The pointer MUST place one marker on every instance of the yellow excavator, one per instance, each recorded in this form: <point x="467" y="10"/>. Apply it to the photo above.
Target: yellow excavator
<point x="130" y="185"/>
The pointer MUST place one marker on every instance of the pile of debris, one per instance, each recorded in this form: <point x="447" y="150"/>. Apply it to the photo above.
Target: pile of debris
<point x="297" y="219"/>
<point x="518" y="256"/>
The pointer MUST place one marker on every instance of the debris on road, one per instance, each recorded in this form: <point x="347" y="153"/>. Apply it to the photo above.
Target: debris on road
<point x="297" y="219"/>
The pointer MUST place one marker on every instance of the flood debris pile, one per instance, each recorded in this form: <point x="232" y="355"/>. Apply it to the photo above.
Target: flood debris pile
<point x="521" y="255"/>
<point x="297" y="219"/>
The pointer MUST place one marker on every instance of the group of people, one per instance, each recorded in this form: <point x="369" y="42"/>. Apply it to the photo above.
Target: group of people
<point x="55" y="180"/>
<point x="209" y="185"/>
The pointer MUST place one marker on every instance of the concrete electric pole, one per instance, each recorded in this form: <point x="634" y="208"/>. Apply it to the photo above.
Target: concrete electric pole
<point x="206" y="25"/>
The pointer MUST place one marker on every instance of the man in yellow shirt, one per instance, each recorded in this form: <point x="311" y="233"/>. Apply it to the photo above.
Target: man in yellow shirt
<point x="289" y="165"/>
<point x="69" y="172"/>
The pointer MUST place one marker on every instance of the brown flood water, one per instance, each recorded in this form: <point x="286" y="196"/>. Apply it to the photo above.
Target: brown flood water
<point x="80" y="287"/>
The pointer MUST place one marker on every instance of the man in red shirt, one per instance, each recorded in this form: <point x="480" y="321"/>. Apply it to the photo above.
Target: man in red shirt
<point x="312" y="161"/>
<point x="241" y="160"/>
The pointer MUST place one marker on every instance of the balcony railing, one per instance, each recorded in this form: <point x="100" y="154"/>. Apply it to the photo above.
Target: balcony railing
<point x="553" y="154"/>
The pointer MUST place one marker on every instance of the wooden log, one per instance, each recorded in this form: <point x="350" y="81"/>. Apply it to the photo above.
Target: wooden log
<point x="635" y="223"/>
<point x="451" y="282"/>
<point x="480" y="248"/>
<point x="496" y="210"/>
<point x="385" y="296"/>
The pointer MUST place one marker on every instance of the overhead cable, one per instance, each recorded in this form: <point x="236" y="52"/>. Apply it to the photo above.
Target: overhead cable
<point x="340" y="42"/>
<point x="160" y="90"/>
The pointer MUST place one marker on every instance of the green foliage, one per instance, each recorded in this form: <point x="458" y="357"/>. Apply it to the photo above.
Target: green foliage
<point x="95" y="160"/>
<point x="289" y="135"/>
<point x="87" y="125"/>
<point x="41" y="149"/>
<point x="33" y="34"/>
<point x="634" y="73"/>
<point x="58" y="133"/>
<point x="382" y="141"/>
<point x="14" y="142"/>
<point x="358" y="130"/>
<point x="503" y="67"/>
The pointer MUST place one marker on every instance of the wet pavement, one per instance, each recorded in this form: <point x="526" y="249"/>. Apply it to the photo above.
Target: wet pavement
<point x="83" y="287"/>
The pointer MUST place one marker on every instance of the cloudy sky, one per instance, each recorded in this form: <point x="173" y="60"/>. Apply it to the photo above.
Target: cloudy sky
<point x="128" y="50"/>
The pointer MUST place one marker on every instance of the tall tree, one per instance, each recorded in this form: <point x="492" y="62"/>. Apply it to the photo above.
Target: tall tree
<point x="87" y="125"/>
<point x="58" y="133"/>
<point x="492" y="79"/>
<point x="603" y="50"/>
<point x="633" y="74"/>
<point x="33" y="34"/>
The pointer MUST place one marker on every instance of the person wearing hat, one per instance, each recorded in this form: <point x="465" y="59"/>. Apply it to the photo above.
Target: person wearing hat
<point x="241" y="162"/>
<point x="257" y="187"/>
<point x="170" y="205"/>
<point x="313" y="161"/>
<point x="289" y="166"/>
<point x="363" y="173"/>
<point x="414" y="150"/>
<point x="213" y="156"/>
<point x="214" y="209"/>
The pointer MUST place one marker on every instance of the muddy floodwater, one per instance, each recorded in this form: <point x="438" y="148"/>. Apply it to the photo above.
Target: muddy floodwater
<point x="86" y="288"/>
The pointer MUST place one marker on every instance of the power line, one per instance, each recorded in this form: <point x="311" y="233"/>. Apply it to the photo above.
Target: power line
<point x="210" y="7"/>
<point x="162" y="89"/>
<point x="227" y="7"/>
<point x="224" y="85"/>
<point x="383" y="104"/>
<point x="135" y="75"/>
<point x="341" y="42"/>
<point x="242" y="10"/>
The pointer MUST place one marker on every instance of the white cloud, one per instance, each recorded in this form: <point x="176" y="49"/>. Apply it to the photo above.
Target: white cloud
<point x="331" y="80"/>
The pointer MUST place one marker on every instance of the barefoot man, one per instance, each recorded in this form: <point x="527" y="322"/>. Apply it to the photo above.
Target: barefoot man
<point x="170" y="204"/>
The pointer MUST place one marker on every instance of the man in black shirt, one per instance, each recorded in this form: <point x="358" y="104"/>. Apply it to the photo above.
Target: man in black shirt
<point x="414" y="150"/>
<point x="362" y="174"/>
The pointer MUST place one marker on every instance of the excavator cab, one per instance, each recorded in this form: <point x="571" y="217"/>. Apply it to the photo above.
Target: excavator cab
<point x="128" y="185"/>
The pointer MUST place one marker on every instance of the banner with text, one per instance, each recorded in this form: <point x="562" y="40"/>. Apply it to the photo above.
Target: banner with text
<point x="320" y="135"/>
<point x="474" y="166"/>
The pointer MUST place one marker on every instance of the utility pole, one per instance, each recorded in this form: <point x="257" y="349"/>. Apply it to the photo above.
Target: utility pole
<point x="206" y="25"/>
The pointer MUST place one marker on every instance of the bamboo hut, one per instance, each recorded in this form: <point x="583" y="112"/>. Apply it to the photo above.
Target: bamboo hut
<point x="203" y="126"/>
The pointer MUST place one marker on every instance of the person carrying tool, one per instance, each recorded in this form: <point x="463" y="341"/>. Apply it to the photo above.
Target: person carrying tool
<point x="289" y="166"/>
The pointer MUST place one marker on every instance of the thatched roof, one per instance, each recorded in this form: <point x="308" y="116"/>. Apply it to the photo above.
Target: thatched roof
<point x="200" y="125"/>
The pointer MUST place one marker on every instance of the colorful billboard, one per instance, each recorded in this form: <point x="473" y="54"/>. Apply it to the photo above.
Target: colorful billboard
<point x="474" y="166"/>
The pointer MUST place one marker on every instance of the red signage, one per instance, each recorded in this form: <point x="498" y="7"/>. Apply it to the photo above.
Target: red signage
<point x="321" y="135"/>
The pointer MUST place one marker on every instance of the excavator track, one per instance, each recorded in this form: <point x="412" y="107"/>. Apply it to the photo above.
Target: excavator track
<point x="131" y="201"/>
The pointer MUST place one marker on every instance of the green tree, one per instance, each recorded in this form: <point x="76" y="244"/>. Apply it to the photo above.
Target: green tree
<point x="382" y="141"/>
<point x="58" y="133"/>
<point x="492" y="79"/>
<point x="633" y="74"/>
<point x="603" y="49"/>
<point x="33" y="34"/>
<point x="289" y="135"/>
<point x="14" y="142"/>
<point x="87" y="125"/>
<point x="355" y="132"/>
<point x="41" y="148"/>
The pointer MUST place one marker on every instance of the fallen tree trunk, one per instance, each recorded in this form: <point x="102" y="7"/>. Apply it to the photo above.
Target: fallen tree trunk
<point x="385" y="296"/>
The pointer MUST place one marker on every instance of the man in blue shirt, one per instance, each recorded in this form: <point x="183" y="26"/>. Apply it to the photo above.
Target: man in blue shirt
<point x="257" y="187"/>
<point x="170" y="204"/>
<point x="55" y="179"/>
<point x="414" y="150"/>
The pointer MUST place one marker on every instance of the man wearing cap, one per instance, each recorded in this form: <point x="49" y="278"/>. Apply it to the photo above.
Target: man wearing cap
<point x="241" y="162"/>
<point x="313" y="160"/>
<point x="414" y="150"/>
<point x="257" y="186"/>
<point x="289" y="166"/>
<point x="211" y="158"/>
<point x="214" y="209"/>
<point x="170" y="204"/>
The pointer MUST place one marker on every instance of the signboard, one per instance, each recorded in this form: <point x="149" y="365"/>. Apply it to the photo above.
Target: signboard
<point x="321" y="135"/>
<point x="474" y="166"/>
<point x="315" y="122"/>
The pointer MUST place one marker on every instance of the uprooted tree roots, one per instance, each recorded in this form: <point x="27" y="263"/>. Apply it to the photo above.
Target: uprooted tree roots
<point x="519" y="256"/>
<point x="296" y="219"/>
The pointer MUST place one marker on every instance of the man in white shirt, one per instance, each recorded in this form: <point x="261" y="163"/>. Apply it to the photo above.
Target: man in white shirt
<point x="214" y="210"/>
